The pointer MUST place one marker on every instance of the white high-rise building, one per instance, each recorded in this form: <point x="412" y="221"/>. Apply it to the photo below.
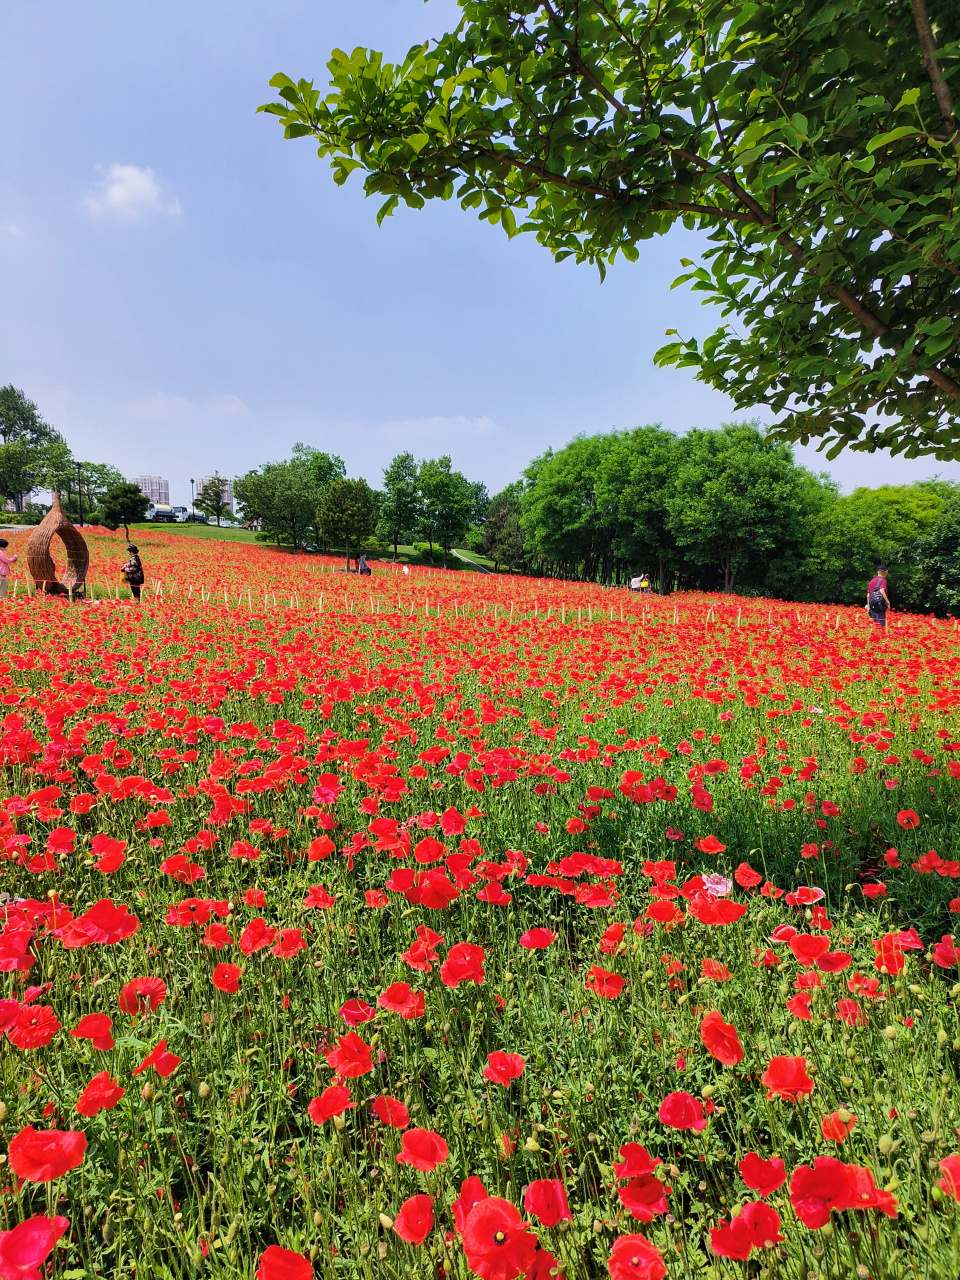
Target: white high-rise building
<point x="227" y="492"/>
<point x="155" y="488"/>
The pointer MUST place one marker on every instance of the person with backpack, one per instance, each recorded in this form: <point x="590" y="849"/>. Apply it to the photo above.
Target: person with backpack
<point x="878" y="602"/>
<point x="133" y="572"/>
<point x="363" y="568"/>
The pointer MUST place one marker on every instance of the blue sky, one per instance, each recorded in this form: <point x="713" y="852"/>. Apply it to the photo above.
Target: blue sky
<point x="183" y="291"/>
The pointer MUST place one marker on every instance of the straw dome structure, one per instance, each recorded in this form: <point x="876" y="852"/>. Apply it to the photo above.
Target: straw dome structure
<point x="40" y="562"/>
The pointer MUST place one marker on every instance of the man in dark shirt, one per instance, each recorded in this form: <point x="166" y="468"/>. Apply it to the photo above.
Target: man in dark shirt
<point x="878" y="602"/>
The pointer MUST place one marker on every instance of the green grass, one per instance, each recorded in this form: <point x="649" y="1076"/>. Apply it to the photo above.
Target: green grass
<point x="199" y="531"/>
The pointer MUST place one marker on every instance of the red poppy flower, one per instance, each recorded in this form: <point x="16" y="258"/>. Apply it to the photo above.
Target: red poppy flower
<point x="547" y="1200"/>
<point x="289" y="944"/>
<point x="256" y="936"/>
<point x="96" y="1027"/>
<point x="283" y="1264"/>
<point x="320" y="848"/>
<point x="835" y="1128"/>
<point x="787" y="1078"/>
<point x="682" y="1111"/>
<point x="350" y="1057"/>
<point x="720" y="1039"/>
<point x="714" y="971"/>
<point x="636" y="1161"/>
<point x="817" y="1189"/>
<point x="226" y="977"/>
<point x="604" y="983"/>
<point x="41" y="1155"/>
<point x="24" y="1250"/>
<point x="709" y="844"/>
<point x="950" y="1182"/>
<point x="945" y="954"/>
<point x="634" y="1258"/>
<point x="765" y="1176"/>
<point x="472" y="1191"/>
<point x="392" y="1112"/>
<point x="865" y="1194"/>
<point x="464" y="963"/>
<point x="356" y="1012"/>
<point x="375" y="898"/>
<point x="255" y="898"/>
<point x="536" y="939"/>
<point x="101" y="1094"/>
<point x="164" y="1063"/>
<point x="717" y="911"/>
<point x="182" y="869"/>
<point x="851" y="1013"/>
<point x="498" y="1244"/>
<point x="142" y="994"/>
<point x="746" y="877"/>
<point x="422" y="1149"/>
<point x="317" y="896"/>
<point x="103" y="925"/>
<point x="502" y="1067"/>
<point x="808" y="947"/>
<point x="400" y="998"/>
<point x="334" y="1101"/>
<point x="908" y="819"/>
<point x="34" y="1027"/>
<point x="109" y="853"/>
<point x="834" y="961"/>
<point x="644" y="1197"/>
<point x="757" y="1226"/>
<point x="414" y="1222"/>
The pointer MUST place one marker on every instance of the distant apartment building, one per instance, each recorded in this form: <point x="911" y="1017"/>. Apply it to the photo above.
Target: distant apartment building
<point x="227" y="493"/>
<point x="155" y="488"/>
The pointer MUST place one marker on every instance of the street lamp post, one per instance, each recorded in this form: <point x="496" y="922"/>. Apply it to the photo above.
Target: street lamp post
<point x="79" y="493"/>
<point x="192" y="512"/>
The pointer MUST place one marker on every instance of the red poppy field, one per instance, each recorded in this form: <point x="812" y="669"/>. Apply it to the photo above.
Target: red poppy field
<point x="473" y="927"/>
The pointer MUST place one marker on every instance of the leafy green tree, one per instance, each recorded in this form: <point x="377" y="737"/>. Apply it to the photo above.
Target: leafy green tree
<point x="400" y="504"/>
<point x="278" y="498"/>
<point x="319" y="470"/>
<point x="817" y="146"/>
<point x="503" y="536"/>
<point x="33" y="455"/>
<point x="123" y="504"/>
<point x="937" y="557"/>
<point x="633" y="480"/>
<point x="734" y="497"/>
<point x="348" y="512"/>
<point x="569" y="526"/>
<point x="448" y="503"/>
<point x="211" y="499"/>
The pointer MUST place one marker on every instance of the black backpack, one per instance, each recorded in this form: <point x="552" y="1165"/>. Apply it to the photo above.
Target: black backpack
<point x="877" y="603"/>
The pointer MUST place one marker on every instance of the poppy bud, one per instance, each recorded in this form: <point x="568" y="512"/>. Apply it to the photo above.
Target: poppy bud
<point x="3" y="1112"/>
<point x="531" y="1145"/>
<point x="708" y="1090"/>
<point x="890" y="1033"/>
<point x="204" y="1089"/>
<point x="339" y="1122"/>
<point x="885" y="1144"/>
<point x="385" y="1222"/>
<point x="318" y="1219"/>
<point x="942" y="1036"/>
<point x="146" y="1093"/>
<point x="844" y="1115"/>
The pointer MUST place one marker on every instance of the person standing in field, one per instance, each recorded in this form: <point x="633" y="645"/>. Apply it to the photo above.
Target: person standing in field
<point x="878" y="602"/>
<point x="5" y="563"/>
<point x="362" y="567"/>
<point x="133" y="572"/>
<point x="644" y="585"/>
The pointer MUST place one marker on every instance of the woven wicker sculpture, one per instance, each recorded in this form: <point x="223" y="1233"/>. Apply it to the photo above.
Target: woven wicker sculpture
<point x="40" y="561"/>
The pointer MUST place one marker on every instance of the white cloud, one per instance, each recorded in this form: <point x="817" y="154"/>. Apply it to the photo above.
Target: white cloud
<point x="126" y="191"/>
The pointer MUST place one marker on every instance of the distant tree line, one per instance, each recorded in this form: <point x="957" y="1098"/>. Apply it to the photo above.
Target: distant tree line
<point x="724" y="510"/>
<point x="309" y="501"/>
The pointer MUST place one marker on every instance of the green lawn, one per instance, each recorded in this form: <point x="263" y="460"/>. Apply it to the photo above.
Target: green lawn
<point x="197" y="531"/>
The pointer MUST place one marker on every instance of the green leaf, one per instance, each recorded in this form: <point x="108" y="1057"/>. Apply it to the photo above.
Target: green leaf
<point x="800" y="124"/>
<point x="883" y="139"/>
<point x="909" y="99"/>
<point x="498" y="79"/>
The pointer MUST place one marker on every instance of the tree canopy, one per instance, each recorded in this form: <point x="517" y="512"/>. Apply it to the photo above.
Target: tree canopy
<point x="817" y="145"/>
<point x="124" y="504"/>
